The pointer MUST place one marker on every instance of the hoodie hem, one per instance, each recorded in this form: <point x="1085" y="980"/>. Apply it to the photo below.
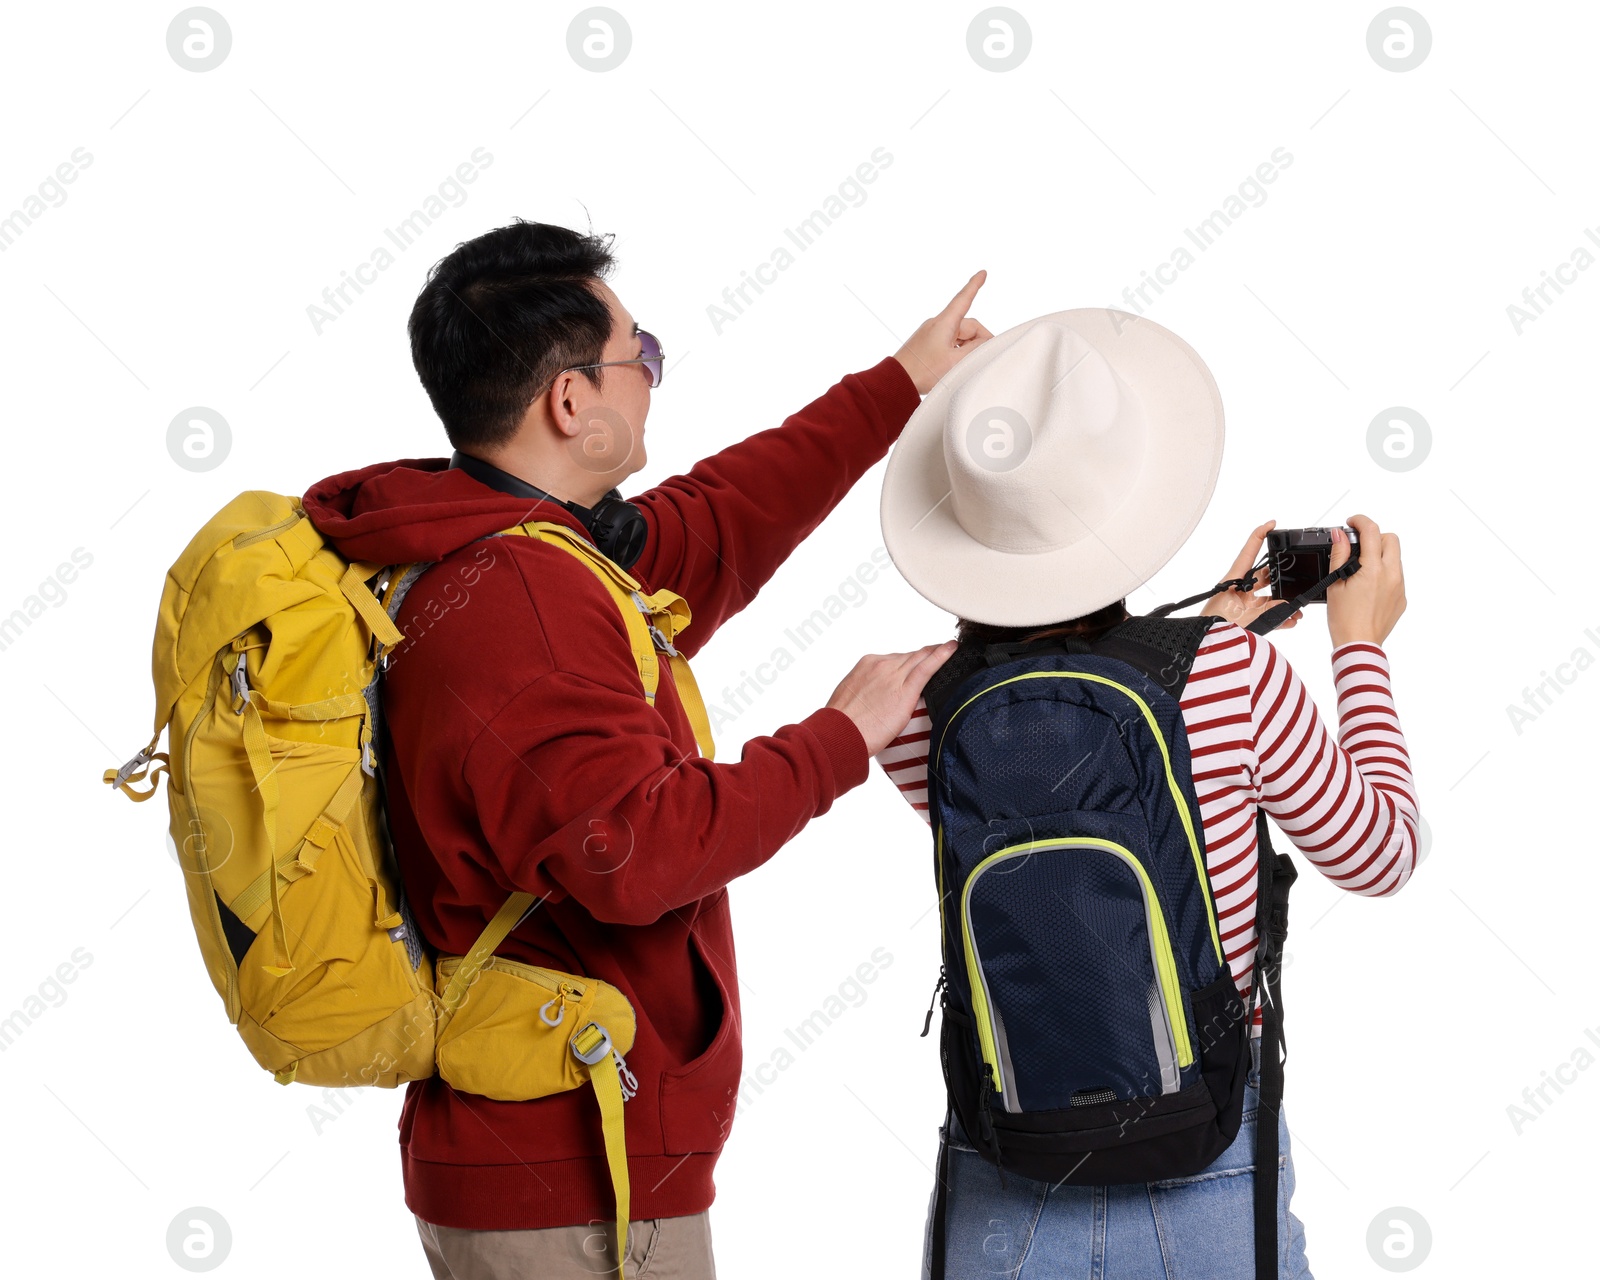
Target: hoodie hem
<point x="555" y="1193"/>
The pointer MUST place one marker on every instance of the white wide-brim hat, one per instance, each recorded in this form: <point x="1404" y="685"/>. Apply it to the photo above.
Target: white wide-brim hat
<point x="1053" y="470"/>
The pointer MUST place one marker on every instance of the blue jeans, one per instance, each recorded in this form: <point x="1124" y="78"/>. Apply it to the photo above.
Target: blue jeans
<point x="1197" y="1228"/>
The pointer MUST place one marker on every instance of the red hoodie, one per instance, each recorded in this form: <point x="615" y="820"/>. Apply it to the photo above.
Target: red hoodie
<point x="523" y="755"/>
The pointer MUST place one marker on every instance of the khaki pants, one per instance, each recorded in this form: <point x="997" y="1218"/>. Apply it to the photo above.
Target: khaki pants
<point x="658" y="1249"/>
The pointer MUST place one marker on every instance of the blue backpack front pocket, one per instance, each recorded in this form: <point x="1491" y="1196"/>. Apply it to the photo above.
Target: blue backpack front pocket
<point x="1075" y="987"/>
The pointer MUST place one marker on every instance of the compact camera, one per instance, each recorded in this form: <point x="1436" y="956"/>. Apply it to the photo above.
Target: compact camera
<point x="1298" y="559"/>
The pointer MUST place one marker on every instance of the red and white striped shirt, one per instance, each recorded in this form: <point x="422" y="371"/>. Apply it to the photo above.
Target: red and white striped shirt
<point x="1256" y="740"/>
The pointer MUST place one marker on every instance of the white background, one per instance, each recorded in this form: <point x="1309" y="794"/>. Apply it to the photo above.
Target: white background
<point x="1377" y="273"/>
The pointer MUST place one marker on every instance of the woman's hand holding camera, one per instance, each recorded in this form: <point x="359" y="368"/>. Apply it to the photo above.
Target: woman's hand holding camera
<point x="1244" y="607"/>
<point x="1364" y="607"/>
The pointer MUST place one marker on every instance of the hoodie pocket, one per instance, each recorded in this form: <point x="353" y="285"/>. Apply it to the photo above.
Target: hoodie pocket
<point x="698" y="1098"/>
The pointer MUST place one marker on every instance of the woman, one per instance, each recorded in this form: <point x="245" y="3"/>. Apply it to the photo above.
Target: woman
<point x="1111" y="446"/>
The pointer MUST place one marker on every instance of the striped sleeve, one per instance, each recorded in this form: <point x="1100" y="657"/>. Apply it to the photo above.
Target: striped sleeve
<point x="1348" y="805"/>
<point x="905" y="760"/>
<point x="1216" y="713"/>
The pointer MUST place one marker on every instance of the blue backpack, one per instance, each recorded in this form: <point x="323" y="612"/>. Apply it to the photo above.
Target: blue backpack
<point x="1092" y="1032"/>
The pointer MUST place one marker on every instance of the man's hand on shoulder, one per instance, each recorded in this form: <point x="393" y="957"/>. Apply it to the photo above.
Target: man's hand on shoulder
<point x="881" y="691"/>
<point x="940" y="342"/>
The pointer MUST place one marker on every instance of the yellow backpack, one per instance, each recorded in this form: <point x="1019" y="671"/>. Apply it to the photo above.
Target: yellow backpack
<point x="268" y="651"/>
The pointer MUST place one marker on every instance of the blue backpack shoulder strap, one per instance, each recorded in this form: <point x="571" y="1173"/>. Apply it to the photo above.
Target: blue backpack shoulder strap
<point x="941" y="686"/>
<point x="1162" y="648"/>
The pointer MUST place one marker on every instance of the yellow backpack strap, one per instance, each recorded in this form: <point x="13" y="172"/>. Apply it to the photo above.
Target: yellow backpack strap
<point x="303" y="858"/>
<point x="694" y="705"/>
<point x="265" y="773"/>
<point x="356" y="591"/>
<point x="494" y="933"/>
<point x="621" y="588"/>
<point x="653" y="622"/>
<point x="592" y="1047"/>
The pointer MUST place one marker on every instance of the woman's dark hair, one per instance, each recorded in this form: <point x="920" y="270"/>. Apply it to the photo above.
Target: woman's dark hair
<point x="1089" y="627"/>
<point x="500" y="317"/>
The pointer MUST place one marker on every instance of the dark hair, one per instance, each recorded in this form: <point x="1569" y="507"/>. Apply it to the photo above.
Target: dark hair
<point x="500" y="317"/>
<point x="1091" y="626"/>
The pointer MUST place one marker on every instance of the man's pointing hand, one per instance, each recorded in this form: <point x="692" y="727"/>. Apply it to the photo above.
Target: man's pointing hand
<point x="933" y="350"/>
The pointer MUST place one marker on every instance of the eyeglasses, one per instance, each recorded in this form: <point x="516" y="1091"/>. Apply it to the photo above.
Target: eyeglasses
<point x="651" y="357"/>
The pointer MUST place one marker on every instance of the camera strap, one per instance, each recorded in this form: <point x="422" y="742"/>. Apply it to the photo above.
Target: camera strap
<point x="1274" y="617"/>
<point x="1246" y="583"/>
<point x="1279" y="614"/>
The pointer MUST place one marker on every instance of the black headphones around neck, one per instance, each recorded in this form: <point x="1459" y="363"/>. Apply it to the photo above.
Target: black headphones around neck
<point x="617" y="527"/>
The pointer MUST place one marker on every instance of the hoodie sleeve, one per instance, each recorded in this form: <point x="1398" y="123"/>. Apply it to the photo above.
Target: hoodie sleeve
<point x="580" y="787"/>
<point x="720" y="532"/>
<point x="580" y="792"/>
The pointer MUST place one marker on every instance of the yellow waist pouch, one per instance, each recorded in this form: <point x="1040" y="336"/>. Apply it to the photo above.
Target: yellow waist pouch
<point x="512" y="1036"/>
<point x="515" y="1032"/>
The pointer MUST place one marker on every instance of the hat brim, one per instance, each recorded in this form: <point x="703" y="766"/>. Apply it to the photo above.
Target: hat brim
<point x="956" y="572"/>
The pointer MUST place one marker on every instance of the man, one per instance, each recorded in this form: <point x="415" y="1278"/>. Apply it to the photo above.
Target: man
<point x="523" y="755"/>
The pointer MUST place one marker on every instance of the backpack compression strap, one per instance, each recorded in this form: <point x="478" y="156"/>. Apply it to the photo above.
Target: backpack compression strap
<point x="149" y="763"/>
<point x="941" y="1203"/>
<point x="653" y="622"/>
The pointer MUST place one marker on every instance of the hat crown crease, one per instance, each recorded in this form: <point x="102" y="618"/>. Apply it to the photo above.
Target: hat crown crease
<point x="1043" y="447"/>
